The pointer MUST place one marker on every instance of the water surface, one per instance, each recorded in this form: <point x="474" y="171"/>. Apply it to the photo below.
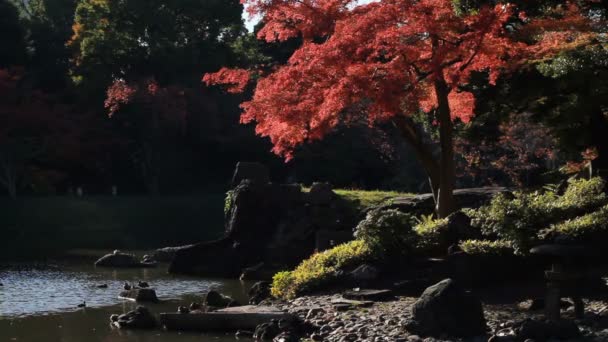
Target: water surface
<point x="41" y="304"/>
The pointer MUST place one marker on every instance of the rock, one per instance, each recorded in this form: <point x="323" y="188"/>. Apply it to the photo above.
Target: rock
<point x="314" y="312"/>
<point x="117" y="259"/>
<point x="316" y="337"/>
<point x="341" y="304"/>
<point x="139" y="295"/>
<point x="321" y="194"/>
<point x="243" y="334"/>
<point x="267" y="331"/>
<point x="369" y="295"/>
<point x="230" y="319"/>
<point x="424" y="204"/>
<point x="445" y="308"/>
<point x="259" y="272"/>
<point x="364" y="273"/>
<point x="194" y="306"/>
<point x="256" y="173"/>
<point x="459" y="228"/>
<point x="269" y="223"/>
<point x="102" y="286"/>
<point x="286" y="337"/>
<point x="140" y="318"/>
<point x="537" y="304"/>
<point x="259" y="291"/>
<point x="166" y="254"/>
<point x="218" y="300"/>
<point x="544" y="330"/>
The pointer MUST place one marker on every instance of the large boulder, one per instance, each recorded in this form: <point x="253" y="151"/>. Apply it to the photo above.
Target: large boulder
<point x="273" y="224"/>
<point x="446" y="309"/>
<point x="140" y="318"/>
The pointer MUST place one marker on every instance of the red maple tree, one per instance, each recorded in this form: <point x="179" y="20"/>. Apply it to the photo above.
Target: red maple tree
<point x="397" y="57"/>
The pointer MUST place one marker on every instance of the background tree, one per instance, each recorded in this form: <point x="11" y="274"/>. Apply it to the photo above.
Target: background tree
<point x="396" y="57"/>
<point x="12" y="35"/>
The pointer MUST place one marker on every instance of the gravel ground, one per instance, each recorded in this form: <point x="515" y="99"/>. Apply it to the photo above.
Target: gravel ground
<point x="385" y="321"/>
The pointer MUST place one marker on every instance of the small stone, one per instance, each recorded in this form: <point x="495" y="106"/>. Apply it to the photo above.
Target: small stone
<point x="243" y="334"/>
<point x="316" y="337"/>
<point x="314" y="312"/>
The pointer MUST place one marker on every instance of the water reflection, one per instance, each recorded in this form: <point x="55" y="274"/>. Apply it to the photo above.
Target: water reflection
<point x="41" y="305"/>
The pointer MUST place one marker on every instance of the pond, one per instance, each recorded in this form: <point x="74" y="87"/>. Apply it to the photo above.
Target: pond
<point x="40" y="304"/>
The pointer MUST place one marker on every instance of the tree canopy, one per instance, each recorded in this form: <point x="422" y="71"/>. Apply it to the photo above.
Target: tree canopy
<point x="394" y="58"/>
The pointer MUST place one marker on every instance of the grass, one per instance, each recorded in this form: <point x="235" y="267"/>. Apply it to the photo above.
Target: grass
<point x="41" y="226"/>
<point x="366" y="198"/>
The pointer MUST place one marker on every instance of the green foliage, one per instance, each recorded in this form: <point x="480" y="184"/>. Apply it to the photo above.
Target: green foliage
<point x="173" y="41"/>
<point x="487" y="247"/>
<point x="519" y="219"/>
<point x="430" y="234"/>
<point x="228" y="201"/>
<point x="582" y="227"/>
<point x="387" y="232"/>
<point x="319" y="269"/>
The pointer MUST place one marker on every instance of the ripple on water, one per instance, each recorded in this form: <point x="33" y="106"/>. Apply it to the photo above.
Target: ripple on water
<point x="40" y="292"/>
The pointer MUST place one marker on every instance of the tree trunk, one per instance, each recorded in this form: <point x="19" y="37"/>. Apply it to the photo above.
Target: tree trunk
<point x="447" y="169"/>
<point x="408" y="131"/>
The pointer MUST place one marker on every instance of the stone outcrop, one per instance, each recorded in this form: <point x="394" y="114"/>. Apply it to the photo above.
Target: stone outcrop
<point x="270" y="224"/>
<point x="424" y="203"/>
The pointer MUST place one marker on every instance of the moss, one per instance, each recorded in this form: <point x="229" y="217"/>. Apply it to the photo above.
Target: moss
<point x="319" y="269"/>
<point x="487" y="247"/>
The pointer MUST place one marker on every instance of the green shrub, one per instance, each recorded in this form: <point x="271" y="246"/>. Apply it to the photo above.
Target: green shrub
<point x="521" y="218"/>
<point x="486" y="247"/>
<point x="431" y="236"/>
<point x="319" y="269"/>
<point x="387" y="232"/>
<point x="578" y="228"/>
